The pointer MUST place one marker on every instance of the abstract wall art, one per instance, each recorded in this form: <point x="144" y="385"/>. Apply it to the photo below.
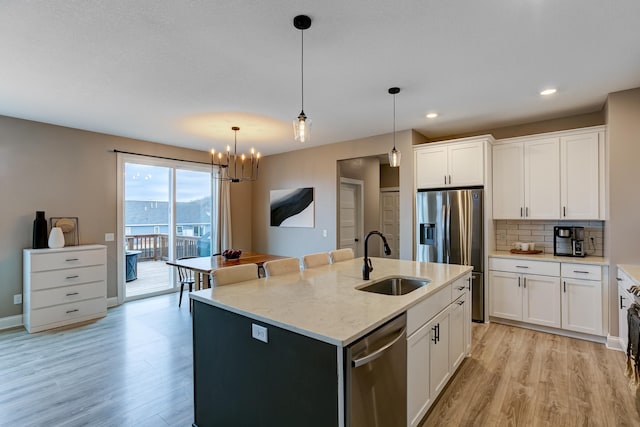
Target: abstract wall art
<point x="292" y="208"/>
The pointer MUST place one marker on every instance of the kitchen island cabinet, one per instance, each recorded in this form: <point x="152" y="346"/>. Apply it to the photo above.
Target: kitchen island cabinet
<point x="277" y="345"/>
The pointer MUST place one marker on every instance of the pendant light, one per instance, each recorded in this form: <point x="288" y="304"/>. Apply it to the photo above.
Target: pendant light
<point x="228" y="163"/>
<point x="302" y="125"/>
<point x="394" y="155"/>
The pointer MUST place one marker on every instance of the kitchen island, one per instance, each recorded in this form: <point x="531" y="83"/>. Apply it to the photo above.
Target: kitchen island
<point x="271" y="351"/>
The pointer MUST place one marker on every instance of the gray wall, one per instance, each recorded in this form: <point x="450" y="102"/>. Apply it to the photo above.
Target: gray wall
<point x="317" y="167"/>
<point x="69" y="172"/>
<point x="622" y="229"/>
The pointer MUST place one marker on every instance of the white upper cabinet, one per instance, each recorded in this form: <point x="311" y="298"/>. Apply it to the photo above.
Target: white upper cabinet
<point x="580" y="190"/>
<point x="550" y="177"/>
<point x="450" y="164"/>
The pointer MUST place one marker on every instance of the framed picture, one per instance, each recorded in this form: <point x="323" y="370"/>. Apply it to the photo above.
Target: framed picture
<point x="69" y="226"/>
<point x="292" y="208"/>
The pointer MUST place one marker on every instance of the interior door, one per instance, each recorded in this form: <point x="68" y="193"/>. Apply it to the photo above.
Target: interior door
<point x="351" y="216"/>
<point x="390" y="221"/>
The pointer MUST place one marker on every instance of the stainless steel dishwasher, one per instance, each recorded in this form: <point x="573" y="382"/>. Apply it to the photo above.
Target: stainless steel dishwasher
<point x="376" y="377"/>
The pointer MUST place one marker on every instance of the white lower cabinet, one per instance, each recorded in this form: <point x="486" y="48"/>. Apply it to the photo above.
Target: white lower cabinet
<point x="437" y="348"/>
<point x="568" y="296"/>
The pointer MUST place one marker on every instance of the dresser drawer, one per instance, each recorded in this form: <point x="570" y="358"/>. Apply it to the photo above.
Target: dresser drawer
<point x="525" y="266"/>
<point x="58" y="315"/>
<point x="67" y="294"/>
<point x="459" y="287"/>
<point x="71" y="276"/>
<point x="67" y="259"/>
<point x="581" y="271"/>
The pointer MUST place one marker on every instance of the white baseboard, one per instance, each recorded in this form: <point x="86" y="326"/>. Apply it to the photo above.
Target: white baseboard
<point x="112" y="302"/>
<point x="11" y="322"/>
<point x="615" y="343"/>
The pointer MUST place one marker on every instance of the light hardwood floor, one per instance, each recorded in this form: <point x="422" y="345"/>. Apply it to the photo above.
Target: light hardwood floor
<point x="134" y="368"/>
<point x="518" y="377"/>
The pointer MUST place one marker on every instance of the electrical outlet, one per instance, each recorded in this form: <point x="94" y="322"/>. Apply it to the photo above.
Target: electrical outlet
<point x="17" y="299"/>
<point x="259" y="332"/>
<point x="324" y="233"/>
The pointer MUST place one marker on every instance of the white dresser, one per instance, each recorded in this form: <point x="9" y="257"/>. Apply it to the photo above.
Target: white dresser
<point x="64" y="286"/>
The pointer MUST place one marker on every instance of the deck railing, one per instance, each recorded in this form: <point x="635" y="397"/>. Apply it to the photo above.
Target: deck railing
<point x="156" y="246"/>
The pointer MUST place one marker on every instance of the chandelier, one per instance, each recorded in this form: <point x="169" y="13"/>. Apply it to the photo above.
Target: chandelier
<point x="236" y="168"/>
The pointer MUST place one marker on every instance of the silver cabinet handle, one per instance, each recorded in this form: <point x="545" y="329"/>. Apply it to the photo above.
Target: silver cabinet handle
<point x="518" y="281"/>
<point x="522" y="266"/>
<point x="379" y="352"/>
<point x="72" y="259"/>
<point x="564" y="284"/>
<point x="445" y="180"/>
<point x="580" y="271"/>
<point x="619" y="279"/>
<point x="520" y="211"/>
<point x="525" y="282"/>
<point x="469" y="280"/>
<point x="72" y="293"/>
<point x="72" y="311"/>
<point x="73" y="277"/>
<point x="449" y="179"/>
<point x="564" y="211"/>
<point x="622" y="306"/>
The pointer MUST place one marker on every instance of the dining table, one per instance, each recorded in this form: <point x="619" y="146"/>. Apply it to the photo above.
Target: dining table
<point x="204" y="266"/>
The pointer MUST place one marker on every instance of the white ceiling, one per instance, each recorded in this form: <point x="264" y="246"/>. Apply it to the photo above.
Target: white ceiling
<point x="183" y="72"/>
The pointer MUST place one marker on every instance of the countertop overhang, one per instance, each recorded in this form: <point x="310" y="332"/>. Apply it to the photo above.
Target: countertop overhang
<point x="324" y="303"/>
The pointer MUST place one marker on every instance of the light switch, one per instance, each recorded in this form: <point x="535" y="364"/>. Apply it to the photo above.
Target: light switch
<point x="108" y="237"/>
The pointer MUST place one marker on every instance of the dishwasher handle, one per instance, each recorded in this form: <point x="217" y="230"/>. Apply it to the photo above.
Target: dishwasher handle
<point x="379" y="352"/>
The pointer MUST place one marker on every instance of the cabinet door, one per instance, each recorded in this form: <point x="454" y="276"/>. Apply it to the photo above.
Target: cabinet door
<point x="431" y="167"/>
<point x="541" y="300"/>
<point x="457" y="336"/>
<point x="508" y="181"/>
<point x="466" y="164"/>
<point x="439" y="366"/>
<point x="542" y="179"/>
<point x="418" y="385"/>
<point x="623" y="305"/>
<point x="580" y="175"/>
<point x="582" y="306"/>
<point x="505" y="294"/>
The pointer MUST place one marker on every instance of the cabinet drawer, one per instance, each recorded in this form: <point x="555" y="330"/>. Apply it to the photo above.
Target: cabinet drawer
<point x="459" y="287"/>
<point x="581" y="271"/>
<point x="525" y="266"/>
<point x="67" y="294"/>
<point x="71" y="276"/>
<point x="67" y="313"/>
<point x="67" y="259"/>
<point x="421" y="313"/>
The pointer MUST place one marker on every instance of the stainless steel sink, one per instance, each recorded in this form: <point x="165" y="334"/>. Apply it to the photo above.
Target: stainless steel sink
<point x="395" y="286"/>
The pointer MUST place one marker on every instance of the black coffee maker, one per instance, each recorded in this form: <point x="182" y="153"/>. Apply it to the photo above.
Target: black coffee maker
<point x="568" y="241"/>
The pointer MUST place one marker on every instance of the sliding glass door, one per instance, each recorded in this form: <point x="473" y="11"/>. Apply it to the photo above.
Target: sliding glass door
<point x="167" y="212"/>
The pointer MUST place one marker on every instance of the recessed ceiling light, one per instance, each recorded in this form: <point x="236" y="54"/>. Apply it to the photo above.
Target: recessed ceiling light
<point x="432" y="115"/>
<point x="548" y="92"/>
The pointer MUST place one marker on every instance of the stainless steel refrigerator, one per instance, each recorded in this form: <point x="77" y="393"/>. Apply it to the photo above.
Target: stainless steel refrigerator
<point x="450" y="231"/>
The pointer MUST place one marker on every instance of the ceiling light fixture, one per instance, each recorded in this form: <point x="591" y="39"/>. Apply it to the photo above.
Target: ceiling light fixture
<point x="548" y="92"/>
<point x="226" y="162"/>
<point x="394" y="155"/>
<point x="302" y="125"/>
<point x="432" y="115"/>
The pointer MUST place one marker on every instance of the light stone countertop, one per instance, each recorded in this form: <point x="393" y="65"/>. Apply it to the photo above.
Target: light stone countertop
<point x="324" y="303"/>
<point x="595" y="260"/>
<point x="633" y="271"/>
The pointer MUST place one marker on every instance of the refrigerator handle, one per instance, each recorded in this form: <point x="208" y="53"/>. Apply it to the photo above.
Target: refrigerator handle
<point x="448" y="235"/>
<point x="444" y="233"/>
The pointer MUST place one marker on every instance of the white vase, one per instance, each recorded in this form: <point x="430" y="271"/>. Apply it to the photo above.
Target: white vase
<point x="56" y="238"/>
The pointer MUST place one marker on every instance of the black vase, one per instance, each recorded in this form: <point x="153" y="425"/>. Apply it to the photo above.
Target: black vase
<point x="40" y="231"/>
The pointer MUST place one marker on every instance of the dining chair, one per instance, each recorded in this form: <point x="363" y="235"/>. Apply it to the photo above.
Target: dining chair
<point x="186" y="278"/>
<point x="338" y="255"/>
<point x="315" y="260"/>
<point x="281" y="266"/>
<point x="234" y="274"/>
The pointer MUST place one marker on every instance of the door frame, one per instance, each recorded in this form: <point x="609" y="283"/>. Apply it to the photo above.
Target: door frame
<point x="359" y="184"/>
<point x="388" y="190"/>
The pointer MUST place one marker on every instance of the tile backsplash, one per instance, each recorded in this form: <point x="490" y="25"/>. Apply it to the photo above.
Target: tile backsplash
<point x="541" y="233"/>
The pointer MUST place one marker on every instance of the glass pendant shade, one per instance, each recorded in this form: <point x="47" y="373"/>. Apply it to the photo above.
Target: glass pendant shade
<point x="394" y="158"/>
<point x="302" y="128"/>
